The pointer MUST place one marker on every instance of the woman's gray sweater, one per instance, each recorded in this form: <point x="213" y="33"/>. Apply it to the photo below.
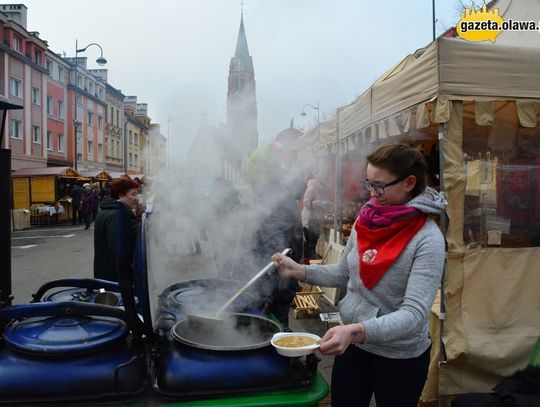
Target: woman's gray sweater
<point x="396" y="311"/>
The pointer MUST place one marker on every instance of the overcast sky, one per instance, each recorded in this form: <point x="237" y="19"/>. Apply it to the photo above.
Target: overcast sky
<point x="175" y="54"/>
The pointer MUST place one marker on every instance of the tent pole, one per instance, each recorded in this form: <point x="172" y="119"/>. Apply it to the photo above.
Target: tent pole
<point x="337" y="189"/>
<point x="444" y="228"/>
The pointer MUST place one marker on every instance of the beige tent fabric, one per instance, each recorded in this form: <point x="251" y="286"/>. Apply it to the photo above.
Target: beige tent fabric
<point x="355" y="116"/>
<point x="528" y="10"/>
<point x="459" y="63"/>
<point x="422" y="116"/>
<point x="416" y="82"/>
<point x="441" y="111"/>
<point x="526" y="110"/>
<point x="500" y="309"/>
<point x="312" y="139"/>
<point x="484" y="112"/>
<point x="454" y="176"/>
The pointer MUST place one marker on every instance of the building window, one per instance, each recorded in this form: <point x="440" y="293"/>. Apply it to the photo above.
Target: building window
<point x="36" y="96"/>
<point x="35" y="135"/>
<point x="60" y="74"/>
<point x="117" y="118"/>
<point x="16" y="43"/>
<point x="136" y="139"/>
<point x="61" y="109"/>
<point x="130" y="137"/>
<point x="118" y="149"/>
<point x="90" y="147"/>
<point x="15" y="87"/>
<point x="130" y="159"/>
<point x="100" y="122"/>
<point x="37" y="57"/>
<point x="91" y="87"/>
<point x="136" y="160"/>
<point x="90" y="119"/>
<point x="16" y="129"/>
<point x="49" y="105"/>
<point x="48" y="65"/>
<point x="100" y="151"/>
<point x="49" y="140"/>
<point x="79" y="99"/>
<point x="60" y="143"/>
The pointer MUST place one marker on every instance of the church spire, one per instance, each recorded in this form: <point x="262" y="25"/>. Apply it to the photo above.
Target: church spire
<point x="242" y="50"/>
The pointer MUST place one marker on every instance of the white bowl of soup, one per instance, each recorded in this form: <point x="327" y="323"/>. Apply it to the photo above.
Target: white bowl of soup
<point x="295" y="344"/>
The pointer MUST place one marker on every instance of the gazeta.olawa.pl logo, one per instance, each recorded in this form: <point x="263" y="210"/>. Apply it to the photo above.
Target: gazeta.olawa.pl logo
<point x="483" y="25"/>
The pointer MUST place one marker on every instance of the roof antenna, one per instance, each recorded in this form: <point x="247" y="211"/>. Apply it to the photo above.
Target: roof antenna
<point x="242" y="7"/>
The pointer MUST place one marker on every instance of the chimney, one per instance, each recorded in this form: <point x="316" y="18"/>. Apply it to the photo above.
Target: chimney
<point x="15" y="12"/>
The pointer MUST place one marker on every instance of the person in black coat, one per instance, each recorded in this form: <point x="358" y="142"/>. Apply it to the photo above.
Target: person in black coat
<point x="76" y="198"/>
<point x="107" y="234"/>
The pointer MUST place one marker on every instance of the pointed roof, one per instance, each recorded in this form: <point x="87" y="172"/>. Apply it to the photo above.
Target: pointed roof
<point x="242" y="50"/>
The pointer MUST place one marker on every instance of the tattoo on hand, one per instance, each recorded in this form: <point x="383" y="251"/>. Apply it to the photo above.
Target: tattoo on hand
<point x="356" y="332"/>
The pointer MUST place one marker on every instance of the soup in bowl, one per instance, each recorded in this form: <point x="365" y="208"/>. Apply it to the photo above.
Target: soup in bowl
<point x="295" y="344"/>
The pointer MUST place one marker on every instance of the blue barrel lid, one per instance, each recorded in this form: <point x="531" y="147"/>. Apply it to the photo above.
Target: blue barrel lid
<point x="65" y="334"/>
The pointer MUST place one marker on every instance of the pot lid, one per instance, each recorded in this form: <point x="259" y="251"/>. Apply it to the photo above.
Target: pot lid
<point x="64" y="335"/>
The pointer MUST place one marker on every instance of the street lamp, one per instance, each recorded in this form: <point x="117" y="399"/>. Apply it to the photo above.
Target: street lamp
<point x="317" y="108"/>
<point x="100" y="61"/>
<point x="76" y="124"/>
<point x="318" y="118"/>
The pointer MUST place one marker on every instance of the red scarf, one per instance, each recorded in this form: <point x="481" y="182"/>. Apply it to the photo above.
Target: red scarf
<point x="382" y="232"/>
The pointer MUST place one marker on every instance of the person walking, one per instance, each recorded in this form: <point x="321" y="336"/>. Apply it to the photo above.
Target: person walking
<point x="87" y="206"/>
<point x="312" y="216"/>
<point x="391" y="266"/>
<point x="95" y="201"/>
<point x="76" y="198"/>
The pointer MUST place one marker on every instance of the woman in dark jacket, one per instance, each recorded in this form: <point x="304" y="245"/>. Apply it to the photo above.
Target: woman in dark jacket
<point x="107" y="234"/>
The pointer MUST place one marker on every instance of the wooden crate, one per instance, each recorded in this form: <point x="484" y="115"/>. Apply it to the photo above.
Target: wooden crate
<point x="306" y="301"/>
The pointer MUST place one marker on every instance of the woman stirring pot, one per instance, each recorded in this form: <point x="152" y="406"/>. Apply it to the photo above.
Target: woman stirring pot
<point x="391" y="266"/>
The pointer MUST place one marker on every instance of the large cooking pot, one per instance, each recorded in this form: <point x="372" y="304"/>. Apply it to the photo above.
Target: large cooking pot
<point x="232" y="332"/>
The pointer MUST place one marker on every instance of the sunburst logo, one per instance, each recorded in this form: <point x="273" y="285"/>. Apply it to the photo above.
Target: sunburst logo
<point x="480" y="25"/>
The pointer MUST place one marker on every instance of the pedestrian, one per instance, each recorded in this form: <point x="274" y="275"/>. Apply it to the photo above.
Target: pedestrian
<point x="107" y="234"/>
<point x="280" y="228"/>
<point x="76" y="198"/>
<point x="95" y="201"/>
<point x="313" y="209"/>
<point x="87" y="205"/>
<point x="391" y="266"/>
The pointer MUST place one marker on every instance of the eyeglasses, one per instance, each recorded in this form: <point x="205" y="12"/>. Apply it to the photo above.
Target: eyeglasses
<point x="379" y="188"/>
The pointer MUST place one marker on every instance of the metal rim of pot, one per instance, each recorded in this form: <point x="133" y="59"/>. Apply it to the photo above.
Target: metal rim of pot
<point x="269" y="326"/>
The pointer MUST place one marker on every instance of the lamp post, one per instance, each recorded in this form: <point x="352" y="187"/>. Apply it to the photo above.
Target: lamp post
<point x="76" y="124"/>
<point x="317" y="108"/>
<point x="318" y="118"/>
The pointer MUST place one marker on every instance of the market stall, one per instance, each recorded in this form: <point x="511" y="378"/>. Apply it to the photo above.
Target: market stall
<point x="118" y="175"/>
<point x="480" y="127"/>
<point x="45" y="191"/>
<point x="99" y="176"/>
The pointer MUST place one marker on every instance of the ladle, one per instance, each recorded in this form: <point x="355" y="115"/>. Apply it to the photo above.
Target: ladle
<point x="217" y="315"/>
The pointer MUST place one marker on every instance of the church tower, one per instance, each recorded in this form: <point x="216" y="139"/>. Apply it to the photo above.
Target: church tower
<point x="241" y="99"/>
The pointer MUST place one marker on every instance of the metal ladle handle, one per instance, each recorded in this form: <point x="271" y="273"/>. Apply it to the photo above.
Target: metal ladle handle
<point x="255" y="277"/>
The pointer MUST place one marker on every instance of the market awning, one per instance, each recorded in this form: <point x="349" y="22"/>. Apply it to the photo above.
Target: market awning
<point x="97" y="174"/>
<point x="118" y="175"/>
<point x="64" y="172"/>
